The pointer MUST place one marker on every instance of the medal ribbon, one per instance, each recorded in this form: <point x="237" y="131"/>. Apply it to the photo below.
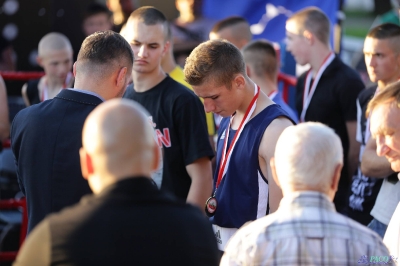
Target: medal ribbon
<point x="272" y="94"/>
<point x="309" y="92"/>
<point x="226" y="155"/>
<point x="45" y="93"/>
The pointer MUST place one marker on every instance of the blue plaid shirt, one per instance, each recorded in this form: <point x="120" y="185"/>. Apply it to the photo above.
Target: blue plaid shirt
<point x="305" y="230"/>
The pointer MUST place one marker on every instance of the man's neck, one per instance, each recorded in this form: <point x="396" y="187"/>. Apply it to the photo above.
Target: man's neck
<point x="382" y="84"/>
<point x="168" y="63"/>
<point x="53" y="84"/>
<point x="146" y="81"/>
<point x="266" y="85"/>
<point x="318" y="58"/>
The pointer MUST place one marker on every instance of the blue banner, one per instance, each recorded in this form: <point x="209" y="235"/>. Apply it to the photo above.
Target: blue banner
<point x="266" y="17"/>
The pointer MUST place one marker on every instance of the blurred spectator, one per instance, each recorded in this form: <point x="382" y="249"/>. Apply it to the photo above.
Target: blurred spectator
<point x="233" y="29"/>
<point x="129" y="221"/>
<point x="55" y="57"/>
<point x="97" y="17"/>
<point x="121" y="10"/>
<point x="306" y="229"/>
<point x="189" y="29"/>
<point x="262" y="67"/>
<point x="7" y="55"/>
<point x="4" y="120"/>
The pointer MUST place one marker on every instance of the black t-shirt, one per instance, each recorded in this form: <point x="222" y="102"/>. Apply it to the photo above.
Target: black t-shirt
<point x="333" y="104"/>
<point x="178" y="117"/>
<point x="364" y="190"/>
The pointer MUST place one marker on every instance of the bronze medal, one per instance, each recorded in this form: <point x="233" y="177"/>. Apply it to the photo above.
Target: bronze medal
<point x="211" y="206"/>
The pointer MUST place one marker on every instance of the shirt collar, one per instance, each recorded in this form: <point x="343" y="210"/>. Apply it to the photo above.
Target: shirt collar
<point x="87" y="92"/>
<point x="307" y="199"/>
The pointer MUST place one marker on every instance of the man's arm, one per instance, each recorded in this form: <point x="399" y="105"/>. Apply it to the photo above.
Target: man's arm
<point x="266" y="152"/>
<point x="354" y="147"/>
<point x="24" y="93"/>
<point x="201" y="187"/>
<point x="373" y="165"/>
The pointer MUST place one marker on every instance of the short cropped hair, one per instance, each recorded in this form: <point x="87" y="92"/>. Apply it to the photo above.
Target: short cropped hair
<point x="216" y="61"/>
<point x="314" y="20"/>
<point x="104" y="48"/>
<point x="391" y="93"/>
<point x="53" y="41"/>
<point x="95" y="9"/>
<point x="231" y="22"/>
<point x="262" y="56"/>
<point x="306" y="156"/>
<point x="150" y="15"/>
<point x="387" y="31"/>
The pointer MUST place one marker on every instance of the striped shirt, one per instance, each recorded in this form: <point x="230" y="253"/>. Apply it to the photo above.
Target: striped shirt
<point x="305" y="230"/>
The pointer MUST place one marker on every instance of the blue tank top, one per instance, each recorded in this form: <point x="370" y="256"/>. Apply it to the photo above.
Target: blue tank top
<point x="242" y="195"/>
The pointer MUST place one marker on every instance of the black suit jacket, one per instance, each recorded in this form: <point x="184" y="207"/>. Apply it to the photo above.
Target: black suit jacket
<point x="46" y="139"/>
<point x="129" y="223"/>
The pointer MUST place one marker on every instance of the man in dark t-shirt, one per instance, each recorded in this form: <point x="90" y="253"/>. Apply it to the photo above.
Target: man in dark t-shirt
<point x="382" y="58"/>
<point x="326" y="93"/>
<point x="176" y="113"/>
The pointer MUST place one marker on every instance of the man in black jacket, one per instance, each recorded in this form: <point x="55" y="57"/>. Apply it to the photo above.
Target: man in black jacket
<point x="128" y="221"/>
<point x="46" y="137"/>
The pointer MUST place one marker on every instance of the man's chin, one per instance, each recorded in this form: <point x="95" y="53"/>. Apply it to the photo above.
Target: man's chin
<point x="395" y="166"/>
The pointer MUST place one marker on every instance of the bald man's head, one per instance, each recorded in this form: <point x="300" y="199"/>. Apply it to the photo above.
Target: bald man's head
<point x="119" y="142"/>
<point x="53" y="41"/>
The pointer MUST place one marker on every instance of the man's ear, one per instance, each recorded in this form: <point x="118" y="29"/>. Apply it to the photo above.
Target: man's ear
<point x="39" y="60"/>
<point x="121" y="77"/>
<point x="239" y="81"/>
<point x="308" y="36"/>
<point x="166" y="47"/>
<point x="74" y="69"/>
<point x="86" y="163"/>
<point x="248" y="70"/>
<point x="336" y="177"/>
<point x="273" y="171"/>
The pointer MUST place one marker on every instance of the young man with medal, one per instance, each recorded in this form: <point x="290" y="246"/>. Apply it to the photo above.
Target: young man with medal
<point x="327" y="93"/>
<point x="243" y="186"/>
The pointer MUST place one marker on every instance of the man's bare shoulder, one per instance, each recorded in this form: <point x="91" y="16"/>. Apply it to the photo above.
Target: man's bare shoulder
<point x="271" y="135"/>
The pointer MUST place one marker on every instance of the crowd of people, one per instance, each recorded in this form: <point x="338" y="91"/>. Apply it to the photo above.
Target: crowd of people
<point x="207" y="164"/>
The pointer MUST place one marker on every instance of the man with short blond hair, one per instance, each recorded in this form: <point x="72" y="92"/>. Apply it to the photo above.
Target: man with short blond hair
<point x="327" y="93"/>
<point x="243" y="186"/>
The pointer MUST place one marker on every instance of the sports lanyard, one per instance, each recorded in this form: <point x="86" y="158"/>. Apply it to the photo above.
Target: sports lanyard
<point x="45" y="93"/>
<point x="309" y="92"/>
<point x="272" y="94"/>
<point x="226" y="155"/>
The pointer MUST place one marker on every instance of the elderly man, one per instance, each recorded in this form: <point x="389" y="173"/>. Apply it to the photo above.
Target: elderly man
<point x="46" y="137"/>
<point x="385" y="128"/>
<point x="306" y="229"/>
<point x="128" y="221"/>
